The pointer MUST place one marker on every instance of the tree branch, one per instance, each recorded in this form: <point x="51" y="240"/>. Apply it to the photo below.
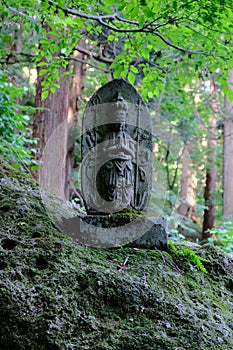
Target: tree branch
<point x="95" y="56"/>
<point x="13" y="58"/>
<point x="169" y="43"/>
<point x="165" y="70"/>
<point x="93" y="17"/>
<point x="19" y="13"/>
<point x="111" y="60"/>
<point x="86" y="62"/>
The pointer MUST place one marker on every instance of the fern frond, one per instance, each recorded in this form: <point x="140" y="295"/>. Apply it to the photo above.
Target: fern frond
<point x="190" y="255"/>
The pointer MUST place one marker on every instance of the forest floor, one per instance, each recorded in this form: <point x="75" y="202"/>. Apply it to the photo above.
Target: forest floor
<point x="56" y="294"/>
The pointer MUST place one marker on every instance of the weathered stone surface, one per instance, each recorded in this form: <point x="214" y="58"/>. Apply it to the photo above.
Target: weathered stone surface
<point x="57" y="295"/>
<point x="155" y="237"/>
<point x="104" y="231"/>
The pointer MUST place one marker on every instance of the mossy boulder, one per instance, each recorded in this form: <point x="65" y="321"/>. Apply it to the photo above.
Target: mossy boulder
<point x="55" y="294"/>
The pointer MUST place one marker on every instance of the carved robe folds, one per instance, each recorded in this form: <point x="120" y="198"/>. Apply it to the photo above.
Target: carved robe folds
<point x="115" y="178"/>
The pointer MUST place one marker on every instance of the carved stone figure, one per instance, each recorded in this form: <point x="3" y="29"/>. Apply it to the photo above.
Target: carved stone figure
<point x="116" y="177"/>
<point x="116" y="150"/>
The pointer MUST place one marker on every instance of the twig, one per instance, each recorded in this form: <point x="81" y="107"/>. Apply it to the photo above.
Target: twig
<point x="95" y="55"/>
<point x="88" y="63"/>
<point x="126" y="260"/>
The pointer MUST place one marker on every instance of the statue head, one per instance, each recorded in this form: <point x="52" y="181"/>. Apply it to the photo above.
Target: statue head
<point x="119" y="109"/>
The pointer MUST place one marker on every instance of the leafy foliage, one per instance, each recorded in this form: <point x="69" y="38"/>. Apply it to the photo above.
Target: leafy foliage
<point x="149" y="38"/>
<point x="14" y="121"/>
<point x="222" y="236"/>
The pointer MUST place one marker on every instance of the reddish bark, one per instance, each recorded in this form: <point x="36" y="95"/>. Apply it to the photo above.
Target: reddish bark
<point x="228" y="152"/>
<point x="79" y="71"/>
<point x="50" y="127"/>
<point x="211" y="173"/>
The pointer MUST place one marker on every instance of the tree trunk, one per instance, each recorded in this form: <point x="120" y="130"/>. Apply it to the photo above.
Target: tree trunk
<point x="188" y="187"/>
<point x="50" y="127"/>
<point x="183" y="208"/>
<point x="74" y="107"/>
<point x="211" y="173"/>
<point x="228" y="155"/>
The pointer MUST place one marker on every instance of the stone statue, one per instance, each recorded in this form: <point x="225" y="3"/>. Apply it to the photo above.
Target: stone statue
<point x="116" y="150"/>
<point x="116" y="172"/>
<point x="116" y="177"/>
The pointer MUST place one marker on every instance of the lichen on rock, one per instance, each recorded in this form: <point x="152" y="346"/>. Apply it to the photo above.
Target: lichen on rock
<point x="58" y="295"/>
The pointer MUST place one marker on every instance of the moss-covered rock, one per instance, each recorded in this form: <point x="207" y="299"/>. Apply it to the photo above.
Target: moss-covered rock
<point x="56" y="295"/>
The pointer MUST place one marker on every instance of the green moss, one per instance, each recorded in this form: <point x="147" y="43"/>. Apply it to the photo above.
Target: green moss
<point x="57" y="295"/>
<point x="128" y="215"/>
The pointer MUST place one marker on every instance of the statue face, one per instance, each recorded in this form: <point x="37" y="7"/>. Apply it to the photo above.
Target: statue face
<point x="119" y="116"/>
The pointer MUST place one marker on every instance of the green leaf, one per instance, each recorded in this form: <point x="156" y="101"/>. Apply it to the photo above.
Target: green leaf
<point x="123" y="73"/>
<point x="141" y="20"/>
<point x="44" y="41"/>
<point x="111" y="38"/>
<point x="134" y="69"/>
<point x="156" y="92"/>
<point x="43" y="72"/>
<point x="134" y="12"/>
<point x="116" y="73"/>
<point x="121" y="5"/>
<point x="150" y="94"/>
<point x="44" y="95"/>
<point x="35" y="167"/>
<point x="42" y="64"/>
<point x="229" y="95"/>
<point x="110" y="2"/>
<point x="131" y="78"/>
<point x="147" y="11"/>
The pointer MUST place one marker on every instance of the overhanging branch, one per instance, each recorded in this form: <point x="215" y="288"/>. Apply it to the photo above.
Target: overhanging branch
<point x="88" y="63"/>
<point x="95" y="55"/>
<point x="18" y="57"/>
<point x="107" y="60"/>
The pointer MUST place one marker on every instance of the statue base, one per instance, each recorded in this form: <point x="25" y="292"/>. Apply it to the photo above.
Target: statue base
<point x="104" y="231"/>
<point x="155" y="237"/>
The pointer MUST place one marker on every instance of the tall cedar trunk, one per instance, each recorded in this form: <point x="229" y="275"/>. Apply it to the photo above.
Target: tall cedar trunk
<point x="183" y="208"/>
<point x="228" y="155"/>
<point x="211" y="173"/>
<point x="188" y="187"/>
<point x="74" y="107"/>
<point x="50" y="127"/>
